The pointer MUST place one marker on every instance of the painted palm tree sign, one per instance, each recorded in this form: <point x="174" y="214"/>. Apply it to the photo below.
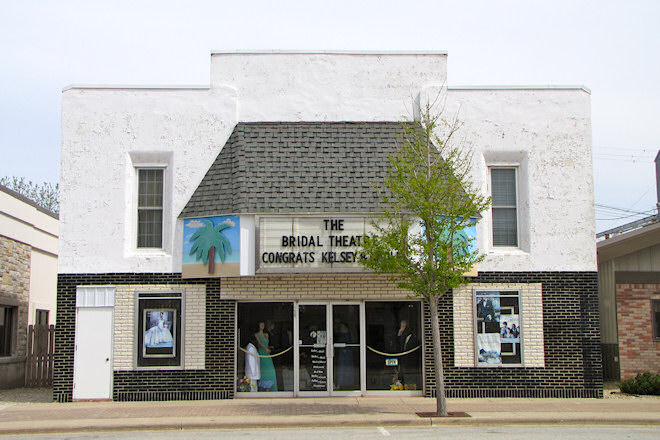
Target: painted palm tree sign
<point x="208" y="241"/>
<point x="211" y="246"/>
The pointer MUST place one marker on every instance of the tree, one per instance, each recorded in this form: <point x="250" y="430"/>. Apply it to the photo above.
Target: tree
<point x="45" y="194"/>
<point x="208" y="240"/>
<point x="428" y="202"/>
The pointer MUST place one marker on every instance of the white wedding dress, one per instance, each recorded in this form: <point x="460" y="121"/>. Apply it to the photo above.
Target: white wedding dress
<point x="158" y="336"/>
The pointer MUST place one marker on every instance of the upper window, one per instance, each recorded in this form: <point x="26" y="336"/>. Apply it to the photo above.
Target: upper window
<point x="7" y="317"/>
<point x="655" y="317"/>
<point x="504" y="206"/>
<point x="41" y="317"/>
<point x="498" y="328"/>
<point x="150" y="208"/>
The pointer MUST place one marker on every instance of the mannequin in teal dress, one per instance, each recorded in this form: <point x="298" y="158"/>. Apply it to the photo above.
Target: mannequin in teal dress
<point x="268" y="376"/>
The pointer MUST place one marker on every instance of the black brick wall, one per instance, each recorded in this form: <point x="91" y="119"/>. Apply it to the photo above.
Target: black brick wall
<point x="573" y="366"/>
<point x="571" y="329"/>
<point x="215" y="382"/>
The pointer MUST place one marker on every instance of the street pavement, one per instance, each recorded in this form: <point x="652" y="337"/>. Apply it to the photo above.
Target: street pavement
<point x="22" y="416"/>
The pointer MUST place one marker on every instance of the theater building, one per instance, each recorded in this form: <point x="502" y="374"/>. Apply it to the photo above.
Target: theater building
<point x="209" y="236"/>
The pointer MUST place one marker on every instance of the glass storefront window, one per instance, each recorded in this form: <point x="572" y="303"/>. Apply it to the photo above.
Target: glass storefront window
<point x="265" y="347"/>
<point x="394" y="353"/>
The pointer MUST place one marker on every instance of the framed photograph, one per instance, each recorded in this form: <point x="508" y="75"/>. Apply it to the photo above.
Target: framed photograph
<point x="489" y="349"/>
<point x="159" y="332"/>
<point x="159" y="329"/>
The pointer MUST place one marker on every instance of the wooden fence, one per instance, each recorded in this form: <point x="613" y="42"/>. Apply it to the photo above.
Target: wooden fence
<point x="40" y="349"/>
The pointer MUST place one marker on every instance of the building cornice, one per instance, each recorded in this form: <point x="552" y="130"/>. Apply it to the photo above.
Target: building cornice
<point x="134" y="87"/>
<point x="331" y="52"/>
<point x="519" y="87"/>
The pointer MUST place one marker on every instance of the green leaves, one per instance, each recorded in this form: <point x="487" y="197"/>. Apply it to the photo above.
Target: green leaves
<point x="430" y="201"/>
<point x="45" y="194"/>
<point x="207" y="237"/>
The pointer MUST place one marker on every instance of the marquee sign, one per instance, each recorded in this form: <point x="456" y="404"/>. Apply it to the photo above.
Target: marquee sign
<point x="317" y="244"/>
<point x="245" y="245"/>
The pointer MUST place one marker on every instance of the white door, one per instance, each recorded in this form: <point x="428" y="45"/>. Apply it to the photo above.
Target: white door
<point x="92" y="367"/>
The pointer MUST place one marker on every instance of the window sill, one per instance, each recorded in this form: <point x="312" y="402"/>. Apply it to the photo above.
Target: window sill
<point x="501" y="366"/>
<point x="159" y="368"/>
<point x="505" y="250"/>
<point x="11" y="359"/>
<point x="150" y="252"/>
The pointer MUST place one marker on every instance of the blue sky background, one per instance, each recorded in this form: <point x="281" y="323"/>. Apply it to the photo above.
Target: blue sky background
<point x="233" y="234"/>
<point x="609" y="46"/>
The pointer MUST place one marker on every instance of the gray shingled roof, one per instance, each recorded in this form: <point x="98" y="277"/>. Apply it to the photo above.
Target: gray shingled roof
<point x="297" y="167"/>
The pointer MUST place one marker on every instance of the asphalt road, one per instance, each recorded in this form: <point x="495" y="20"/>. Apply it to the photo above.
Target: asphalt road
<point x="512" y="432"/>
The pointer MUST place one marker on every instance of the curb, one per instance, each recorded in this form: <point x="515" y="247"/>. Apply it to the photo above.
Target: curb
<point x="303" y="421"/>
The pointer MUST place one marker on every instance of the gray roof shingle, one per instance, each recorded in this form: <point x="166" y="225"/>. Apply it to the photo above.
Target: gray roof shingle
<point x="298" y="167"/>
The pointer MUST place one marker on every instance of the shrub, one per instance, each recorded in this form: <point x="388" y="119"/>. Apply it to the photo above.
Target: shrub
<point x="643" y="383"/>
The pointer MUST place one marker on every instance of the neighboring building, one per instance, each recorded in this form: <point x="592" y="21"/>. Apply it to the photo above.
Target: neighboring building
<point x="198" y="220"/>
<point x="28" y="278"/>
<point x="629" y="296"/>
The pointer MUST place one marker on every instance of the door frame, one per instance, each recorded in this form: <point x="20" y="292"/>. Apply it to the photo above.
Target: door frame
<point x="109" y="361"/>
<point x="362" y="351"/>
<point x="296" y="348"/>
<point x="329" y="349"/>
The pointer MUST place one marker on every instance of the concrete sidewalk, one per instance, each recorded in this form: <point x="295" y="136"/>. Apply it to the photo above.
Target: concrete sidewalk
<point x="17" y="418"/>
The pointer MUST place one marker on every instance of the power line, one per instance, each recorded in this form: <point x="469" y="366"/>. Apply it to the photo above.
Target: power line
<point x="621" y="154"/>
<point x="644" y="161"/>
<point x="640" y="197"/>
<point x="611" y="210"/>
<point x="616" y="218"/>
<point x="614" y="208"/>
<point x="643" y="149"/>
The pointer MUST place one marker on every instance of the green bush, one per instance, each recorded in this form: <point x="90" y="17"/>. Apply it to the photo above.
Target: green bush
<point x="643" y="383"/>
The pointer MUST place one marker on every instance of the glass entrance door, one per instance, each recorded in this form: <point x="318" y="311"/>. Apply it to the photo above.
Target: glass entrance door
<point x="329" y="352"/>
<point x="346" y="331"/>
<point x="313" y="349"/>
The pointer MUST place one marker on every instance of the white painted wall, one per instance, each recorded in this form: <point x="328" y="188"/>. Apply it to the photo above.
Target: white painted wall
<point x="104" y="130"/>
<point x="23" y="222"/>
<point x="327" y="86"/>
<point x="105" y="133"/>
<point x="547" y="133"/>
<point x="43" y="285"/>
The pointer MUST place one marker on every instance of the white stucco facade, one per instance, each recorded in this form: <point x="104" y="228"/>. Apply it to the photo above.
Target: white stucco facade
<point x="546" y="134"/>
<point x="107" y="132"/>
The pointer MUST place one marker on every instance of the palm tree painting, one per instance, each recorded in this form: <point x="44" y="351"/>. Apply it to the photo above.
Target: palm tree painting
<point x="209" y="240"/>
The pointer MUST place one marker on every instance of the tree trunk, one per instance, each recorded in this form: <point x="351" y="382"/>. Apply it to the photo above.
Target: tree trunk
<point x="441" y="400"/>
<point x="211" y="260"/>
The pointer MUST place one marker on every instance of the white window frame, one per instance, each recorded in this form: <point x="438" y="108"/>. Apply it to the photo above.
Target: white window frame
<point x="517" y="206"/>
<point x="148" y="160"/>
<point x="521" y="327"/>
<point x="138" y="208"/>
